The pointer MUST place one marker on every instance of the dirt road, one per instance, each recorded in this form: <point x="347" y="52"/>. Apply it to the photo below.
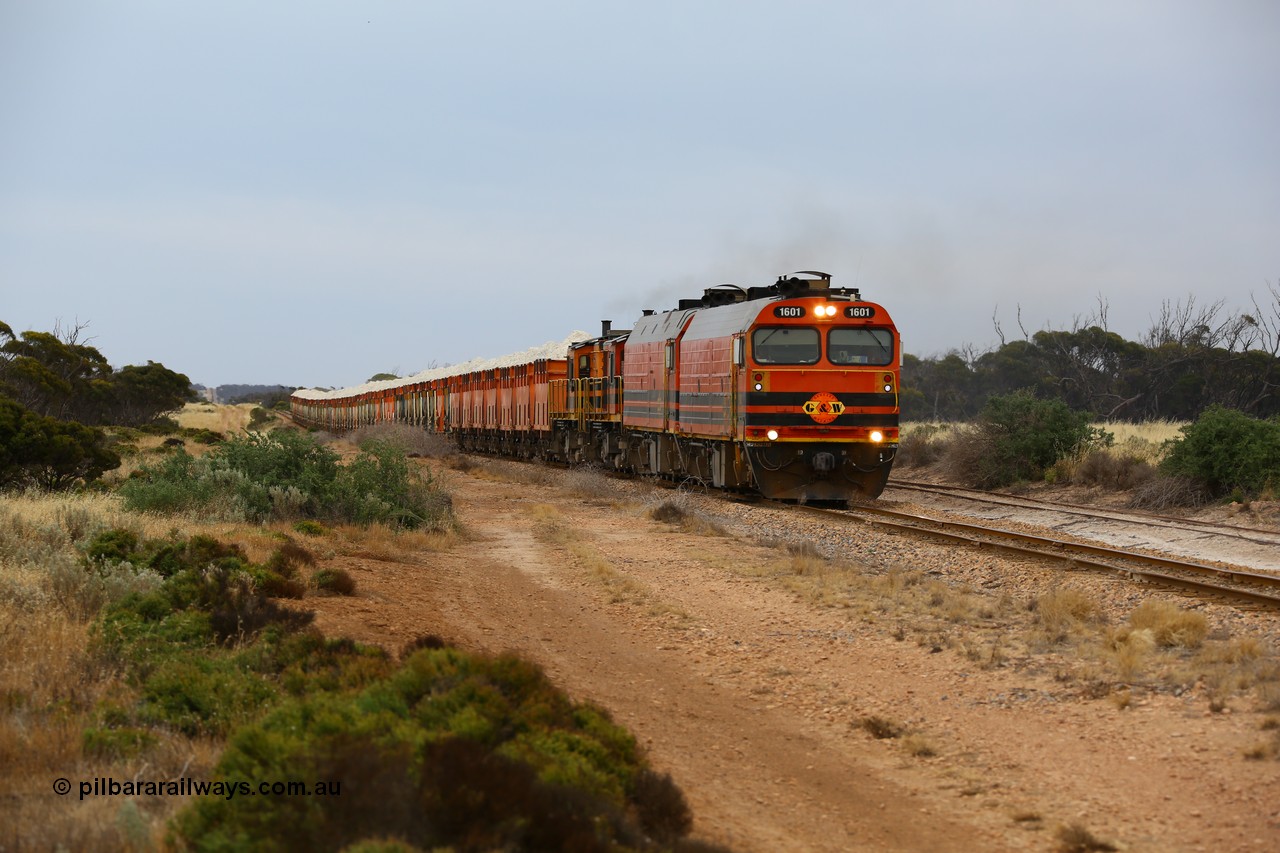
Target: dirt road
<point x="754" y="696"/>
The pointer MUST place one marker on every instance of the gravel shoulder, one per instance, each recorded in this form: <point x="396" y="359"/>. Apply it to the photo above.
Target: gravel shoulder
<point x="748" y="675"/>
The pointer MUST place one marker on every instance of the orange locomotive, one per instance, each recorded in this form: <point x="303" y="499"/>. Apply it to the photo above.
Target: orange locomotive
<point x="790" y="390"/>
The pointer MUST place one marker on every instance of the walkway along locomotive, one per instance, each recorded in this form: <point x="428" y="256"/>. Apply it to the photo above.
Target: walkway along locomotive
<point x="790" y="390"/>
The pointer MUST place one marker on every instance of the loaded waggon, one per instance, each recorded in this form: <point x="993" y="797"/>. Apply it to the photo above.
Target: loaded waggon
<point x="789" y="390"/>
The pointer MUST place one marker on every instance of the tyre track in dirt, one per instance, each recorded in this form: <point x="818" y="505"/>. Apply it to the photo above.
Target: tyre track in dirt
<point x="758" y="778"/>
<point x="750" y="697"/>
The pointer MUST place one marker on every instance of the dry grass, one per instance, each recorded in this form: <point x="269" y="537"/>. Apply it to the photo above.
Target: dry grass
<point x="414" y="441"/>
<point x="1062" y="612"/>
<point x="379" y="542"/>
<point x="502" y="471"/>
<point x="922" y="443"/>
<point x="919" y="746"/>
<point x="549" y="527"/>
<point x="1075" y="838"/>
<point x="1145" y="439"/>
<point x="912" y="742"/>
<point x="676" y="510"/>
<point x="50" y="689"/>
<point x="1169" y="624"/>
<point x="1162" y="493"/>
<point x="586" y="481"/>
<point x="1269" y="695"/>
<point x="219" y="418"/>
<point x="1128" y="463"/>
<point x="882" y="728"/>
<point x="1106" y="468"/>
<point x="1128" y="649"/>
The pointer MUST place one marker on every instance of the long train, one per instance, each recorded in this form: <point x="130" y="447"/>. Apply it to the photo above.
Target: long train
<point x="790" y="390"/>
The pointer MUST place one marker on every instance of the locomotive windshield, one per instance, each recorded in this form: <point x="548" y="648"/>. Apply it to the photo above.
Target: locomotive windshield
<point x="786" y="345"/>
<point x="860" y="346"/>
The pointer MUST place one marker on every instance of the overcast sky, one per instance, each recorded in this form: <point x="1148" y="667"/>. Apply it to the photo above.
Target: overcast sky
<point x="311" y="192"/>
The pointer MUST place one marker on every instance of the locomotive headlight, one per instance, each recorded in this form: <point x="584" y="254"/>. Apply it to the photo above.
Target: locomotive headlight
<point x="772" y="434"/>
<point x="877" y="436"/>
<point x="828" y="310"/>
<point x="888" y="389"/>
<point x="759" y="387"/>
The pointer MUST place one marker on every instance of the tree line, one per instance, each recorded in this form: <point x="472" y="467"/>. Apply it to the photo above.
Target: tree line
<point x="56" y="392"/>
<point x="1192" y="358"/>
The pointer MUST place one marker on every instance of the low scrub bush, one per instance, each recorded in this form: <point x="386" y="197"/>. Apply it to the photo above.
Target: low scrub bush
<point x="204" y="436"/>
<point x="1017" y="438"/>
<point x="1163" y="492"/>
<point x="159" y="426"/>
<point x="258" y="418"/>
<point x="286" y="474"/>
<point x="1075" y="838"/>
<point x="882" y="728"/>
<point x="413" y="441"/>
<point x="333" y="581"/>
<point x="1110" y="470"/>
<point x="588" y="481"/>
<point x="115" y="743"/>
<point x="922" y="445"/>
<point x="1225" y="450"/>
<point x="669" y="512"/>
<point x="676" y="511"/>
<point x="450" y="750"/>
<point x="82" y="591"/>
<point x="310" y="528"/>
<point x="442" y="750"/>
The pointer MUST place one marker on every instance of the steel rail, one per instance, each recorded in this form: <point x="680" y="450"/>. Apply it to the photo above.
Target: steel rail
<point x="1266" y="537"/>
<point x="1076" y="553"/>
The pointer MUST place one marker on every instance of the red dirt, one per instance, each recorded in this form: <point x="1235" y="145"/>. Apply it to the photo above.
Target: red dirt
<point x="751" y="696"/>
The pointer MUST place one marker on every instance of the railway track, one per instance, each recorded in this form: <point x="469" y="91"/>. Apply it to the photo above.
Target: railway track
<point x="1253" y="588"/>
<point x="1211" y="528"/>
<point x="1250" y="588"/>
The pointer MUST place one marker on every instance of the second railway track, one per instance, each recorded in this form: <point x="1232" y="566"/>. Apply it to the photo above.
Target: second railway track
<point x="1253" y="588"/>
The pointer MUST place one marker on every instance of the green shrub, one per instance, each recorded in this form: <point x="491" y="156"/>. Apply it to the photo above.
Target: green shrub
<point x="258" y="416"/>
<point x="201" y="576"/>
<point x="333" y="581"/>
<point x="1225" y="450"/>
<point x="159" y="426"/>
<point x="310" y="528"/>
<point x="450" y="750"/>
<point x="36" y="450"/>
<point x="204" y="436"/>
<point x="305" y="662"/>
<point x="445" y="749"/>
<point x="115" y="743"/>
<point x="203" y="694"/>
<point x="284" y="474"/>
<point x="1018" y="438"/>
<point x="112" y="546"/>
<point x="278" y="576"/>
<point x="83" y="590"/>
